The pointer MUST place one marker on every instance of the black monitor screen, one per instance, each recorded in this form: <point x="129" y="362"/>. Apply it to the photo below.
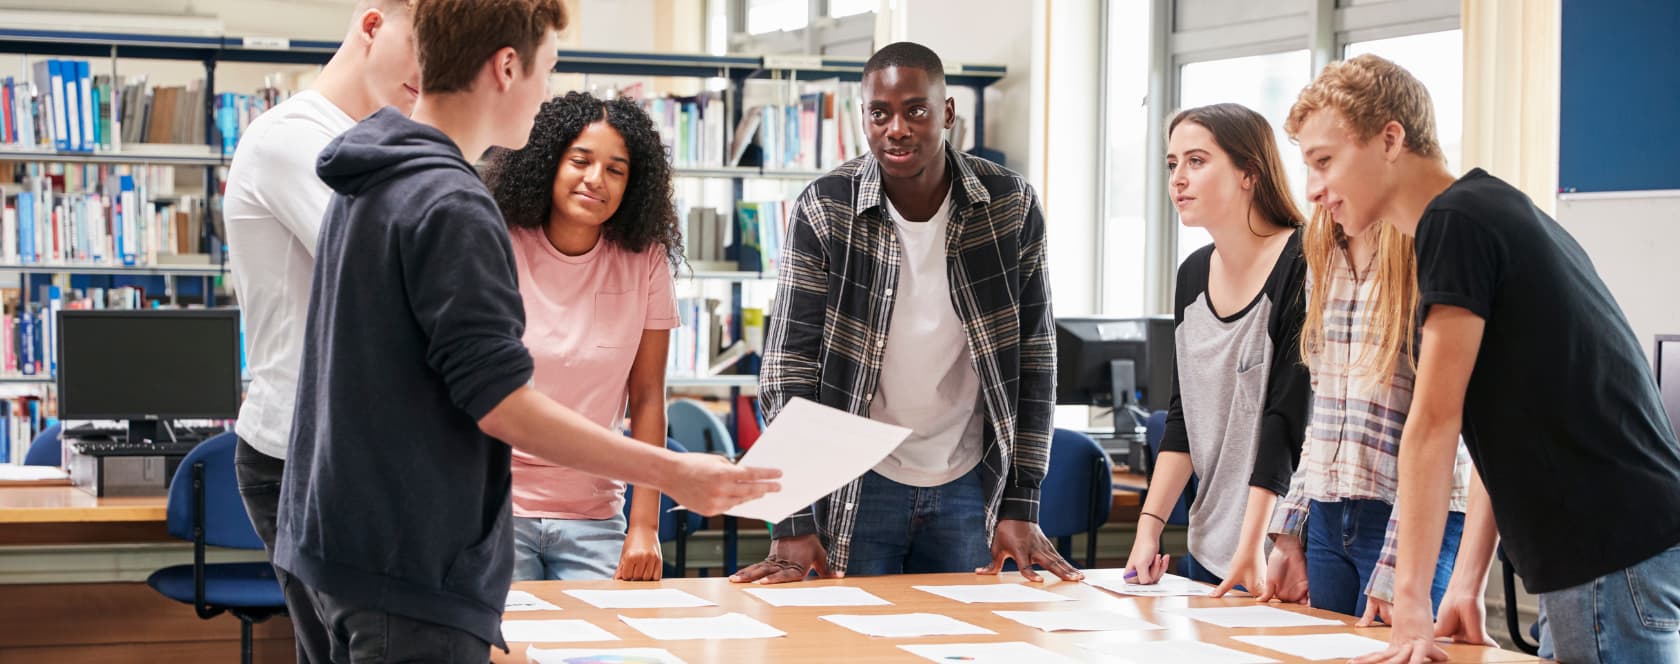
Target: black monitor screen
<point x="148" y="363"/>
<point x="1668" y="376"/>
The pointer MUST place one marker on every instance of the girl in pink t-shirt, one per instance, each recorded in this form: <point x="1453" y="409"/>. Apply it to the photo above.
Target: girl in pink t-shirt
<point x="595" y="238"/>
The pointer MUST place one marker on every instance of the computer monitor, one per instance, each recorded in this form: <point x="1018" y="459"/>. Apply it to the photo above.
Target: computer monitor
<point x="1668" y="376"/>
<point x="1093" y="356"/>
<point x="148" y="366"/>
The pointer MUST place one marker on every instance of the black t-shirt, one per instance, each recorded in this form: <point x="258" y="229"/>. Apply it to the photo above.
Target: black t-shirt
<point x="1562" y="416"/>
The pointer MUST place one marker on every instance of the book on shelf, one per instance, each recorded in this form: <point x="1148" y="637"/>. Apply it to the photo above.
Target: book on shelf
<point x="21" y="419"/>
<point x="819" y="130"/>
<point x="98" y="215"/>
<point x="750" y="240"/>
<point x="30" y="332"/>
<point x="691" y="128"/>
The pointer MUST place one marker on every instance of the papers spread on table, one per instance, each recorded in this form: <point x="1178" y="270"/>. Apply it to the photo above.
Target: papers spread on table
<point x="655" y="598"/>
<point x="906" y="625"/>
<point x="553" y="631"/>
<point x="726" y="626"/>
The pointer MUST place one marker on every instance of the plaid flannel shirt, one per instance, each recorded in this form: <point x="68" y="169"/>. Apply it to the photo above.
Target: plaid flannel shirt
<point x="834" y="301"/>
<point x="1352" y="450"/>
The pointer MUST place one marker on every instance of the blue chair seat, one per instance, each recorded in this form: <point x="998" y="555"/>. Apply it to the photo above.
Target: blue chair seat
<point x="231" y="585"/>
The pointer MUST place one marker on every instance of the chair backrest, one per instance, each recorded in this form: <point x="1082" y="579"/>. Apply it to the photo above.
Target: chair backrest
<point x="1156" y="429"/>
<point x="1078" y="481"/>
<point x="697" y="428"/>
<point x="668" y="520"/>
<point x="226" y="524"/>
<point x="46" y="449"/>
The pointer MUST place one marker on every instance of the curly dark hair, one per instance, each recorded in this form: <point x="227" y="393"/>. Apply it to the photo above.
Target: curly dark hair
<point x="522" y="181"/>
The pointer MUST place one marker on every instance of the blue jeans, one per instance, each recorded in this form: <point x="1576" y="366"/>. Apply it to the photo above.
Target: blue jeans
<point x="569" y="549"/>
<point x="904" y="529"/>
<point x="1630" y="615"/>
<point x="1344" y="541"/>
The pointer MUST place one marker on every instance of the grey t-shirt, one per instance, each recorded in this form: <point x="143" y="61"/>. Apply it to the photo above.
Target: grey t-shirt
<point x="1240" y="396"/>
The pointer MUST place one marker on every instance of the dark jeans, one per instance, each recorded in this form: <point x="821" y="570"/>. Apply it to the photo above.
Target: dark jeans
<point x="365" y="636"/>
<point x="259" y="485"/>
<point x="904" y="529"/>
<point x="1344" y="540"/>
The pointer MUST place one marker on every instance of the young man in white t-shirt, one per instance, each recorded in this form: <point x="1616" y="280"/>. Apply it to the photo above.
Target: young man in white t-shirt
<point x="274" y="204"/>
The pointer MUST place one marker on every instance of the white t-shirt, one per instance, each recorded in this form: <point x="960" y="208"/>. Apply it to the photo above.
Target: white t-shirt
<point x="928" y="382"/>
<point x="273" y="207"/>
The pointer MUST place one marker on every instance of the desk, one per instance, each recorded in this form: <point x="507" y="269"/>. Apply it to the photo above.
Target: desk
<point x="1128" y="499"/>
<point x="67" y="515"/>
<point x="810" y="639"/>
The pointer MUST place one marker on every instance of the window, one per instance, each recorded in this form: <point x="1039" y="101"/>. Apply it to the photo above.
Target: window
<point x="1266" y="83"/>
<point x="1122" y="270"/>
<point x="772" y="15"/>
<point x="839" y="8"/>
<point x="1436" y="59"/>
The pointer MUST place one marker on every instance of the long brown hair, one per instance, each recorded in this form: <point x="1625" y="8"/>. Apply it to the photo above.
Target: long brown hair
<point x="1392" y="310"/>
<point x="1246" y="137"/>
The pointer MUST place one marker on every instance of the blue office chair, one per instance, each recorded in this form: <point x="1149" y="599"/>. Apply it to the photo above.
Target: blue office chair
<point x="205" y="508"/>
<point x="1077" y="492"/>
<point x="46" y="449"/>
<point x="697" y="428"/>
<point x="672" y="525"/>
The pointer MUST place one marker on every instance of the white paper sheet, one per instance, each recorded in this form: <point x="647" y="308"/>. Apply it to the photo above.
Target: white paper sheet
<point x="906" y="625"/>
<point x="553" y="631"/>
<point x="519" y="600"/>
<point x="1008" y="652"/>
<point x="1153" y="652"/>
<point x="820" y="596"/>
<point x="993" y="593"/>
<point x="656" y="598"/>
<point x="1169" y="586"/>
<point x="602" y="656"/>
<point x="818" y="449"/>
<point x="1318" y="646"/>
<point x="1079" y="621"/>
<point x="726" y="626"/>
<point x="1251" y="616"/>
<point x="20" y="473"/>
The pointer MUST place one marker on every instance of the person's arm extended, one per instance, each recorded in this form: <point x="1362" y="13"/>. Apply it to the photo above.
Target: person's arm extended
<point x="1036" y="402"/>
<point x="1452" y="337"/>
<point x="1166" y="482"/>
<point x="641" y="559"/>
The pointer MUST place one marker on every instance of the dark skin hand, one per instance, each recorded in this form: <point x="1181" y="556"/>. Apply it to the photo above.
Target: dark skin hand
<point x="1025" y="543"/>
<point x="790" y="559"/>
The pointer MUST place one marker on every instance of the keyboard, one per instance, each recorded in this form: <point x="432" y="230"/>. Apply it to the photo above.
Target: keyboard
<point x="114" y="447"/>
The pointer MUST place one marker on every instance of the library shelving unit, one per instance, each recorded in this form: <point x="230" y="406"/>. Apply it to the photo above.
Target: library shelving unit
<point x="212" y="49"/>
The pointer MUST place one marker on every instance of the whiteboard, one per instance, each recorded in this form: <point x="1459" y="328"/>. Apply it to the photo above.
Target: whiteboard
<point x="1633" y="239"/>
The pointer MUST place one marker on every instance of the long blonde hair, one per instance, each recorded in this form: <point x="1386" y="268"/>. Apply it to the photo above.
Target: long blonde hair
<point x="1391" y="313"/>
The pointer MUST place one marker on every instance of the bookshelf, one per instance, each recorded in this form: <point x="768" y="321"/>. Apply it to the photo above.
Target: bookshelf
<point x="211" y="49"/>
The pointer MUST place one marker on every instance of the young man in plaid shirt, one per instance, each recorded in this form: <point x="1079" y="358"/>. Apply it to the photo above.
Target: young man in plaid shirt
<point x="913" y="290"/>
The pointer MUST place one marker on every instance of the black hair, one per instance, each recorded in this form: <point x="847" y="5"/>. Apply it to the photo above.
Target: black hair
<point x="522" y="181"/>
<point x="906" y="54"/>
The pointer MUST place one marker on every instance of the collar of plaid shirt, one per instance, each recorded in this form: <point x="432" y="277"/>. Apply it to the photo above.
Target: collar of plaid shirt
<point x="826" y="343"/>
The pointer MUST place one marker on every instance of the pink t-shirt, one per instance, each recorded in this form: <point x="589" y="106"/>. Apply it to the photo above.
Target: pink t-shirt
<point x="584" y="317"/>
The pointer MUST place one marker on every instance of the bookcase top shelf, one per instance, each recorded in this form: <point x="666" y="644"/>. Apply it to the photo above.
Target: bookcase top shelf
<point x="223" y="48"/>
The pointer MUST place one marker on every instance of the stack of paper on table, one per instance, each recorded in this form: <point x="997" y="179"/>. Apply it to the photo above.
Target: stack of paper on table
<point x="906" y="625"/>
<point x="994" y="593"/>
<point x="726" y="626"/>
<point x="818" y="449"/>
<point x="656" y="598"/>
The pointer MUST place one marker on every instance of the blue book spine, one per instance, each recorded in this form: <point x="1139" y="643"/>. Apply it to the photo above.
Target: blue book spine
<point x="128" y="226"/>
<point x="84" y="99"/>
<point x="49" y="327"/>
<point x="26" y="342"/>
<point x="26" y="226"/>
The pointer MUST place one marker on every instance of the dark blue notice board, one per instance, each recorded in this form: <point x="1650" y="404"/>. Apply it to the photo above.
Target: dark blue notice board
<point x="1619" y="118"/>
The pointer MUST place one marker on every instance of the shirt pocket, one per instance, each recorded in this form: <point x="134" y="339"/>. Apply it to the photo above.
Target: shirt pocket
<point x="617" y="319"/>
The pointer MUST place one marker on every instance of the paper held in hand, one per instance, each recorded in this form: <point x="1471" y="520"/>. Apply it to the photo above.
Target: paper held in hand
<point x="818" y="449"/>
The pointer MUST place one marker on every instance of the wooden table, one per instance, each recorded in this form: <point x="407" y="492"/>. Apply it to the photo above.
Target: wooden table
<point x="67" y="515"/>
<point x="810" y="639"/>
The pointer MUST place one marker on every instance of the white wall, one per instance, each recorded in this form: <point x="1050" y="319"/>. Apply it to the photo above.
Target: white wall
<point x="1634" y="242"/>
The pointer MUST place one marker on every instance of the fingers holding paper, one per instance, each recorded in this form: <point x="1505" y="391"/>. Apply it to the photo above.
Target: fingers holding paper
<point x="711" y="485"/>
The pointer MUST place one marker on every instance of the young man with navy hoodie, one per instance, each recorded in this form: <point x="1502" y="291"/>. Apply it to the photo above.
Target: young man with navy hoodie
<point x="394" y="512"/>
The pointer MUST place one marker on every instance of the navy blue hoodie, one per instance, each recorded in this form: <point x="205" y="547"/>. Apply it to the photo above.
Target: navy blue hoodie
<point x="393" y="499"/>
